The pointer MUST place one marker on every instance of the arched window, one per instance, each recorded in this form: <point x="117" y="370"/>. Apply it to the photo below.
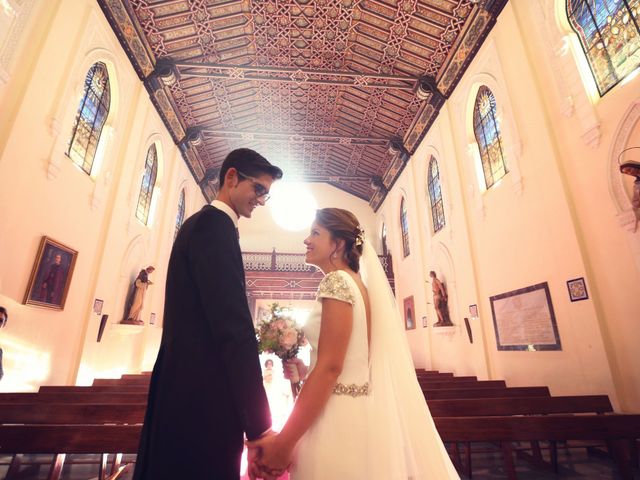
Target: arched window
<point x="92" y="113"/>
<point x="404" y="226"/>
<point x="148" y="183"/>
<point x="435" y="195"/>
<point x="180" y="215"/>
<point x="385" y="247"/>
<point x="487" y="132"/>
<point x="610" y="37"/>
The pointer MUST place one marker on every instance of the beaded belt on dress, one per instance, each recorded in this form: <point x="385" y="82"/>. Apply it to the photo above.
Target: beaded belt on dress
<point x="352" y="389"/>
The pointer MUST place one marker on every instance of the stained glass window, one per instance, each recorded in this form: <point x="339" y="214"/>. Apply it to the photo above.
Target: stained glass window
<point x="435" y="195"/>
<point x="385" y="248"/>
<point x="92" y="113"/>
<point x="404" y="225"/>
<point x="487" y="132"/>
<point x="610" y="37"/>
<point x="148" y="183"/>
<point x="180" y="215"/>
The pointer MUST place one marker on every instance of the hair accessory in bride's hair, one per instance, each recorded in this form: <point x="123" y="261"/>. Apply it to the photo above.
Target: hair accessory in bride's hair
<point x="360" y="236"/>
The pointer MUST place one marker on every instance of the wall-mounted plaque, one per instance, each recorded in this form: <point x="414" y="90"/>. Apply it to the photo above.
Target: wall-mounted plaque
<point x="524" y="320"/>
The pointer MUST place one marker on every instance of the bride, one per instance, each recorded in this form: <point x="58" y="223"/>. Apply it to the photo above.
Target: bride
<point x="361" y="413"/>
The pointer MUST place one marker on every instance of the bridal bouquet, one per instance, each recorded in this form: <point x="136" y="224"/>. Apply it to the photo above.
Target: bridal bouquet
<point x="281" y="335"/>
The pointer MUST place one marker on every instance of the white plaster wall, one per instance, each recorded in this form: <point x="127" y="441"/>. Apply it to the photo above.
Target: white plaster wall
<point x="48" y="195"/>
<point x="562" y="212"/>
<point x="588" y="133"/>
<point x="557" y="215"/>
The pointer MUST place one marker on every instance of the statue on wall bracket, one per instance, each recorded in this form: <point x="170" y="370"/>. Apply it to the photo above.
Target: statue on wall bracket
<point x="135" y="299"/>
<point x="440" y="301"/>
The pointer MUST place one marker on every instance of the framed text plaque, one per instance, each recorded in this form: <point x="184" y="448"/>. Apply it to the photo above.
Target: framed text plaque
<point x="524" y="320"/>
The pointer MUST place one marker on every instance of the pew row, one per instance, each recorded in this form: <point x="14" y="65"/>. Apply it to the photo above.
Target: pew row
<point x="617" y="430"/>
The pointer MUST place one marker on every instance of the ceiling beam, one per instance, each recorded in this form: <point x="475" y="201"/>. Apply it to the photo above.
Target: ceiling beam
<point x="296" y="75"/>
<point x="295" y="137"/>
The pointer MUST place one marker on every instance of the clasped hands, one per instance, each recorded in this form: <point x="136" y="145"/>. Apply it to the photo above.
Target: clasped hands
<point x="268" y="457"/>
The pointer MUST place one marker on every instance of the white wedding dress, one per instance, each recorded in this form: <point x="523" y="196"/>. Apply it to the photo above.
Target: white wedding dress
<point x="376" y="424"/>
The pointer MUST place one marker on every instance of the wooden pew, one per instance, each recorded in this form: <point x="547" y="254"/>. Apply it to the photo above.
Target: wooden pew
<point x="55" y="415"/>
<point x="455" y="393"/>
<point x="431" y="385"/>
<point x="61" y="440"/>
<point x="136" y="381"/>
<point x="425" y="373"/>
<point x="598" y="404"/>
<point x="434" y="378"/>
<point x="93" y="389"/>
<point x="520" y="406"/>
<point x="136" y="375"/>
<point x="72" y="413"/>
<point x="67" y="397"/>
<point x="618" y="431"/>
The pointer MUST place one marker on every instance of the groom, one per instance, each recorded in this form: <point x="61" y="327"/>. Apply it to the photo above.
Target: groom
<point x="206" y="388"/>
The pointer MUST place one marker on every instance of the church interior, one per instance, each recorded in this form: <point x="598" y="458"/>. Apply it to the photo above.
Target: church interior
<point x="482" y="145"/>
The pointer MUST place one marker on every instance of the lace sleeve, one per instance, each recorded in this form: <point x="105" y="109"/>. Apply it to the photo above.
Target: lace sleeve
<point x="335" y="286"/>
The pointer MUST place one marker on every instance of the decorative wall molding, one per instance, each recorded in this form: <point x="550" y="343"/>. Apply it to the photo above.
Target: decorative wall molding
<point x="564" y="57"/>
<point x="17" y="16"/>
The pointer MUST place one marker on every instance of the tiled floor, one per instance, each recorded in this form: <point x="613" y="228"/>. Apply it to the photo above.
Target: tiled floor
<point x="575" y="464"/>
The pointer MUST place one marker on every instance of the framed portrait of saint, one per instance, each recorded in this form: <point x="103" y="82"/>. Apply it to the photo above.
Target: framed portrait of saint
<point x="51" y="275"/>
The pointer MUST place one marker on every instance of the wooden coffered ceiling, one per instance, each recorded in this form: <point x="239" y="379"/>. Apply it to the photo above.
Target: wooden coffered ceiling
<point x="335" y="91"/>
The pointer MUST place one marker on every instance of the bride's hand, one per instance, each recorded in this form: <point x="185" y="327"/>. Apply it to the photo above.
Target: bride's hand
<point x="274" y="456"/>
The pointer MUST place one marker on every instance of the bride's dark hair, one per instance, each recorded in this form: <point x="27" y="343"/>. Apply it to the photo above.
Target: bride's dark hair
<point x="343" y="225"/>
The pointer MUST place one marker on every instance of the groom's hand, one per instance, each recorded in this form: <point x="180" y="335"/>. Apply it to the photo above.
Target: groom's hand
<point x="274" y="457"/>
<point x="255" y="470"/>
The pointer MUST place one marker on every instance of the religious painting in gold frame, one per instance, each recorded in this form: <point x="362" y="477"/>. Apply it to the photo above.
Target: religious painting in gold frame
<point x="51" y="275"/>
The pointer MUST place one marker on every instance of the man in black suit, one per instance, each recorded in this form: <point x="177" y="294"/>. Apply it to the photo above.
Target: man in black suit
<point x="206" y="388"/>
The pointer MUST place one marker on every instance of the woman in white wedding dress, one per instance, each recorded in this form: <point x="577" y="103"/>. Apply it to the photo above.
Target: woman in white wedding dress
<point x="361" y="413"/>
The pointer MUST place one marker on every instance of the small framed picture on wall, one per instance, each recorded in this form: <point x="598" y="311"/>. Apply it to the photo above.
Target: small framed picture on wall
<point x="577" y="289"/>
<point x="409" y="313"/>
<point x="97" y="306"/>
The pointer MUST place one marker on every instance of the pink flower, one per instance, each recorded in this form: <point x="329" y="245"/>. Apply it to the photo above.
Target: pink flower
<point x="289" y="338"/>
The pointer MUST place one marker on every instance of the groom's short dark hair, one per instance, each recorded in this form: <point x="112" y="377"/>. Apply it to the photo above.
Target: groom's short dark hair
<point x="250" y="163"/>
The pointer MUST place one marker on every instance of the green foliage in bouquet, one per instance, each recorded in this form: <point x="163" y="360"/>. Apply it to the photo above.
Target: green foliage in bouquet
<point x="280" y="334"/>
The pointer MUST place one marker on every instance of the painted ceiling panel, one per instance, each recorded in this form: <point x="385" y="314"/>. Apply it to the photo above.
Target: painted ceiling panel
<point x="335" y="91"/>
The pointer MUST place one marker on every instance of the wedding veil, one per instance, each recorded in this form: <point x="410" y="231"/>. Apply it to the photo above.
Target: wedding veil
<point x="404" y="443"/>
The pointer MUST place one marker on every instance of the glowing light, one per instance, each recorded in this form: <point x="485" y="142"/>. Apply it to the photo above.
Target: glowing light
<point x="8" y="9"/>
<point x="155" y="200"/>
<point x="631" y="76"/>
<point x="300" y="315"/>
<point x="86" y="375"/>
<point x="292" y="206"/>
<point x="25" y="367"/>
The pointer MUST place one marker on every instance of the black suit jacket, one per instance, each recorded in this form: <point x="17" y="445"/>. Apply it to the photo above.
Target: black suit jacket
<point x="206" y="387"/>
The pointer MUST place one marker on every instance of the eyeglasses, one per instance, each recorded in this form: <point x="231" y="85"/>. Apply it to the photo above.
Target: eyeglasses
<point x="262" y="192"/>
